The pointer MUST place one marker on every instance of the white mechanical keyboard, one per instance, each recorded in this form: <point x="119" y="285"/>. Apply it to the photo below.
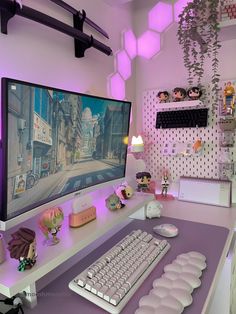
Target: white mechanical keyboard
<point x="172" y="292"/>
<point x="111" y="281"/>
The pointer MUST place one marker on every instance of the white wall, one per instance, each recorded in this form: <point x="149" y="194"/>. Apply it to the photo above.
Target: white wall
<point x="167" y="69"/>
<point x="35" y="53"/>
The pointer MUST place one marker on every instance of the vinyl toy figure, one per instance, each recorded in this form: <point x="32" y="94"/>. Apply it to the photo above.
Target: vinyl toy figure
<point x="143" y="179"/>
<point x="22" y="246"/>
<point x="229" y="96"/>
<point x="163" y="96"/>
<point x="164" y="184"/>
<point x="113" y="202"/>
<point x="124" y="191"/>
<point x="179" y="94"/>
<point x="194" y="93"/>
<point x="50" y="223"/>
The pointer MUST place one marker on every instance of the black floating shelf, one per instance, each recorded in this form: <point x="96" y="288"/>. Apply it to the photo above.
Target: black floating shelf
<point x="8" y="9"/>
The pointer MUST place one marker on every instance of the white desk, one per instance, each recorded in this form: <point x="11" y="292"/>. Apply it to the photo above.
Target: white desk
<point x="72" y="241"/>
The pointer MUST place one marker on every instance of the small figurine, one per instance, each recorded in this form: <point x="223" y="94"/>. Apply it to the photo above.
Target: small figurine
<point x="153" y="209"/>
<point x="229" y="96"/>
<point x="50" y="223"/>
<point x="22" y="246"/>
<point x="194" y="93"/>
<point x="113" y="202"/>
<point x="143" y="179"/>
<point x="164" y="184"/>
<point x="179" y="94"/>
<point x="197" y="146"/>
<point x="124" y="191"/>
<point x="163" y="96"/>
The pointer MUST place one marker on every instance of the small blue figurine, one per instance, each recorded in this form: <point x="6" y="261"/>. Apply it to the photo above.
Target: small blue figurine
<point x="113" y="202"/>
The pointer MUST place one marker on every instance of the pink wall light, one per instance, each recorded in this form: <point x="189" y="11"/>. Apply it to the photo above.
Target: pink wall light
<point x="117" y="86"/>
<point x="149" y="44"/>
<point x="178" y="8"/>
<point x="130" y="43"/>
<point x="160" y="16"/>
<point x="123" y="64"/>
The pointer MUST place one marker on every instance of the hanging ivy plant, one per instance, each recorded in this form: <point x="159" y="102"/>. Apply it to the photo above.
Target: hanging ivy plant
<point x="198" y="37"/>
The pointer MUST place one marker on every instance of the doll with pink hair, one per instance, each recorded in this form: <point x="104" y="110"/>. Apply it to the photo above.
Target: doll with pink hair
<point x="50" y="223"/>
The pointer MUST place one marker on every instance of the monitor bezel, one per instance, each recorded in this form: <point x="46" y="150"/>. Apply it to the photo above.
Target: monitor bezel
<point x="4" y="155"/>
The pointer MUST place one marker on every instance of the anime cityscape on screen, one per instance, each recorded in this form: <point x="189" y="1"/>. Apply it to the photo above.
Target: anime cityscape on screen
<point x="60" y="142"/>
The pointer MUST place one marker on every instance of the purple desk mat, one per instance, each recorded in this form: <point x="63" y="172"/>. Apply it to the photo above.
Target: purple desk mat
<point x="207" y="239"/>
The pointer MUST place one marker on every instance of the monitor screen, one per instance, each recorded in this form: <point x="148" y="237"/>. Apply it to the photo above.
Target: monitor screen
<point x="57" y="142"/>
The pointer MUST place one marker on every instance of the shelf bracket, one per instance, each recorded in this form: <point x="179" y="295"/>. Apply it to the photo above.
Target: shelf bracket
<point x="6" y="15"/>
<point x="80" y="47"/>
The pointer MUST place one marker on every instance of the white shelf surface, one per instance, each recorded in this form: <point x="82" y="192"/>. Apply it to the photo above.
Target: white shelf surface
<point x="181" y="104"/>
<point x="71" y="241"/>
<point x="227" y="30"/>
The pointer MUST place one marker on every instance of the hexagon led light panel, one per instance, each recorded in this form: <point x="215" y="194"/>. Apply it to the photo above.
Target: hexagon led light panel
<point x="178" y="8"/>
<point x="130" y="43"/>
<point x="117" y="86"/>
<point x="149" y="44"/>
<point x="123" y="64"/>
<point x="160" y="16"/>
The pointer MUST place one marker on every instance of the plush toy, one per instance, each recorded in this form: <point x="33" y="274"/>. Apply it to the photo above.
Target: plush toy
<point x="124" y="191"/>
<point x="113" y="202"/>
<point x="153" y="209"/>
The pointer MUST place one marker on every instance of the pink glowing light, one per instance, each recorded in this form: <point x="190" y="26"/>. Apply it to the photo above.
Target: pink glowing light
<point x="117" y="86"/>
<point x="130" y="43"/>
<point x="149" y="44"/>
<point x="123" y="64"/>
<point x="178" y="8"/>
<point x="160" y="16"/>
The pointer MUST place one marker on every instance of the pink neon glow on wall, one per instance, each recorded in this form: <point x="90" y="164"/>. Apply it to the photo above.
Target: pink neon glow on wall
<point x="160" y="16"/>
<point x="149" y="44"/>
<point x="123" y="64"/>
<point x="178" y="8"/>
<point x="130" y="43"/>
<point x="117" y="86"/>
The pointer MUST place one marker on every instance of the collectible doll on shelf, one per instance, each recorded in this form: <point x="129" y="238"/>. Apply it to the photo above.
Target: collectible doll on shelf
<point x="124" y="191"/>
<point x="179" y="94"/>
<point x="50" y="223"/>
<point x="143" y="180"/>
<point x="163" y="96"/>
<point x="229" y="96"/>
<point x="164" y="184"/>
<point x="22" y="246"/>
<point x="113" y="202"/>
<point x="194" y="93"/>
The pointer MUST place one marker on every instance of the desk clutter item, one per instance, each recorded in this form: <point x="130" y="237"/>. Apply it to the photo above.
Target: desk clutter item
<point x="83" y="217"/>
<point x="22" y="247"/>
<point x="153" y="209"/>
<point x="182" y="118"/>
<point x="173" y="291"/>
<point x="166" y="230"/>
<point x="112" y="280"/>
<point x="113" y="202"/>
<point x="205" y="191"/>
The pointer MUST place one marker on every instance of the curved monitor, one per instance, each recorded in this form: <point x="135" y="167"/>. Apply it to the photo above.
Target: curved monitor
<point x="56" y="143"/>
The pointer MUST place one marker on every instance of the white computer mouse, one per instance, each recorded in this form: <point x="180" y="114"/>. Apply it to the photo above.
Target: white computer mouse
<point x="183" y="296"/>
<point x="166" y="230"/>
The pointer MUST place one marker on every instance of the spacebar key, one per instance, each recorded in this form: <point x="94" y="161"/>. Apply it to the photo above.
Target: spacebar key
<point x="137" y="273"/>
